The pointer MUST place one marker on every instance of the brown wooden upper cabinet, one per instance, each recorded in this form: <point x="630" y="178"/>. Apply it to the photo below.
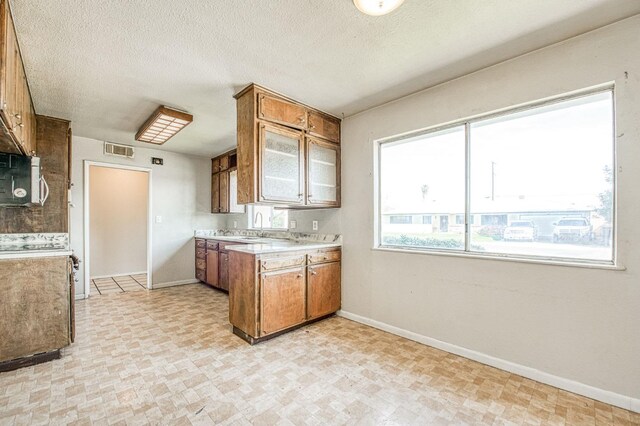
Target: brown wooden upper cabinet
<point x="16" y="107"/>
<point x="288" y="153"/>
<point x="224" y="184"/>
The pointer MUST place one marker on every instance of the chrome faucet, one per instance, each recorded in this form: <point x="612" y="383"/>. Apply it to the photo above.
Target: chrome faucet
<point x="256" y="220"/>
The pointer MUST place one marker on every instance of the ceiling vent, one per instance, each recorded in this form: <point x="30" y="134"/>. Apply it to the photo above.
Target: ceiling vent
<point x="118" y="150"/>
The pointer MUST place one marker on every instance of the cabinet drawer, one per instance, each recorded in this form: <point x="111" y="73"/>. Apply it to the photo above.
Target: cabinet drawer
<point x="201" y="275"/>
<point x="281" y="111"/>
<point x="201" y="264"/>
<point x="324" y="126"/>
<point x="212" y="246"/>
<point x="281" y="263"/>
<point x="324" y="256"/>
<point x="201" y="253"/>
<point x="201" y="243"/>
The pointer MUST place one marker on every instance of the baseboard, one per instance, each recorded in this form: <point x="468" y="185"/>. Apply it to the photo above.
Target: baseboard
<point x="622" y="401"/>
<point x="174" y="283"/>
<point x="119" y="275"/>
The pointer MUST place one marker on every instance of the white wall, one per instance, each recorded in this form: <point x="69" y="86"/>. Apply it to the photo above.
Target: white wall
<point x="118" y="221"/>
<point x="574" y="323"/>
<point x="180" y="194"/>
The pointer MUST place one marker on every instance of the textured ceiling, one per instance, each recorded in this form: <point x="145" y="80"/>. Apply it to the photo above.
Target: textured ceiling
<point x="106" y="65"/>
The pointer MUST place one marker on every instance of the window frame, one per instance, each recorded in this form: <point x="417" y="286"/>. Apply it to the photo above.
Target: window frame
<point x="468" y="215"/>
<point x="251" y="216"/>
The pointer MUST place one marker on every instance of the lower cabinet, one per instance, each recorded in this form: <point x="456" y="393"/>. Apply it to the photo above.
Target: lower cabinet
<point x="282" y="296"/>
<point x="212" y="267"/>
<point x="272" y="293"/>
<point x="212" y="262"/>
<point x="223" y="270"/>
<point x="323" y="289"/>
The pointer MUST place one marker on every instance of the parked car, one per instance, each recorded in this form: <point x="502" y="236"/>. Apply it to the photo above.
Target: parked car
<point x="572" y="229"/>
<point x="521" y="230"/>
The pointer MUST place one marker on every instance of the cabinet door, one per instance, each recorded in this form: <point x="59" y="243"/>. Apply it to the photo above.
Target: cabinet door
<point x="234" y="207"/>
<point x="9" y="87"/>
<point x="224" y="163"/>
<point x="212" y="267"/>
<point x="223" y="273"/>
<point x="323" y="292"/>
<point x="281" y="111"/>
<point x="282" y="300"/>
<point x="281" y="157"/>
<point x="215" y="193"/>
<point x="215" y="165"/>
<point x="224" y="192"/>
<point x="324" y="126"/>
<point x="323" y="173"/>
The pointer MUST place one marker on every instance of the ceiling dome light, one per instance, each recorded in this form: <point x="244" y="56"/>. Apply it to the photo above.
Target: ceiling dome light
<point x="377" y="7"/>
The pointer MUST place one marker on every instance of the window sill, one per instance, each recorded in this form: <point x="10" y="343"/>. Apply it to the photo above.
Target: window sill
<point x="541" y="261"/>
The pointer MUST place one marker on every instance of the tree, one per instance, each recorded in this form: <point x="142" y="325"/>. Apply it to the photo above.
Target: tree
<point x="606" y="197"/>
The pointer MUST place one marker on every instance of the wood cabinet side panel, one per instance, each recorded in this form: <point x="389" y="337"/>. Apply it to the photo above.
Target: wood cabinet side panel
<point x="34" y="307"/>
<point x="243" y="292"/>
<point x="224" y="192"/>
<point x="247" y="148"/>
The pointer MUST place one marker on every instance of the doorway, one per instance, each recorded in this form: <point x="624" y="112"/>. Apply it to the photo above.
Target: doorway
<point x="444" y="223"/>
<point x="117" y="228"/>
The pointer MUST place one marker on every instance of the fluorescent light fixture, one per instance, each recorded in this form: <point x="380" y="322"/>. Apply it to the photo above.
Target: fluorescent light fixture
<point x="163" y="124"/>
<point x="377" y="7"/>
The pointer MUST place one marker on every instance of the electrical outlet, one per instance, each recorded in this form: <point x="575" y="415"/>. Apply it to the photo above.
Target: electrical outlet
<point x="235" y="224"/>
<point x="293" y="224"/>
<point x="314" y="225"/>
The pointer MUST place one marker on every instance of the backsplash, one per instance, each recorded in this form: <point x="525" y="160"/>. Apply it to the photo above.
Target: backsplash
<point x="27" y="241"/>
<point x="295" y="236"/>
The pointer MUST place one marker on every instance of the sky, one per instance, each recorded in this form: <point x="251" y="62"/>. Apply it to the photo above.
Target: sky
<point x="557" y="152"/>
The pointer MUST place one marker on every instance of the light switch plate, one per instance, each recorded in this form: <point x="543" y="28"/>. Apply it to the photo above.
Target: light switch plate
<point x="158" y="219"/>
<point x="293" y="224"/>
<point x="314" y="225"/>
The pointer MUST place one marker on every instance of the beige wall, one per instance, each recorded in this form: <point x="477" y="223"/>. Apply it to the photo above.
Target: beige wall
<point x="118" y="217"/>
<point x="580" y="327"/>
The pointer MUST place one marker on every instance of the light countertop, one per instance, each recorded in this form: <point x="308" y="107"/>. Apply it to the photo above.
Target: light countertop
<point x="22" y="254"/>
<point x="280" y="246"/>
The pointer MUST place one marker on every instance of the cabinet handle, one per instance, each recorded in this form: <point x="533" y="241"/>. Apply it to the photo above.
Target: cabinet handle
<point x="312" y="127"/>
<point x="301" y="119"/>
<point x="20" y="125"/>
<point x="314" y="273"/>
<point x="299" y="276"/>
<point x="18" y="116"/>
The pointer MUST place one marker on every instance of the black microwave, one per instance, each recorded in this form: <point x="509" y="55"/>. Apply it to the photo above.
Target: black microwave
<point x="21" y="183"/>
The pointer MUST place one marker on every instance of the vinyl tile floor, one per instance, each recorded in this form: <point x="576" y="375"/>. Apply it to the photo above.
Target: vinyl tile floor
<point x="118" y="284"/>
<point x="168" y="356"/>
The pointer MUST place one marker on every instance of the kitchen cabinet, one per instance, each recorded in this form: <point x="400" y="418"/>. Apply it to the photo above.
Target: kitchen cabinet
<point x="36" y="306"/>
<point x="282" y="300"/>
<point x="288" y="153"/>
<point x="281" y="165"/>
<point x="16" y="106"/>
<point x="223" y="179"/>
<point x="212" y="262"/>
<point x="323" y="289"/>
<point x="212" y="266"/>
<point x="276" y="292"/>
<point x="323" y="173"/>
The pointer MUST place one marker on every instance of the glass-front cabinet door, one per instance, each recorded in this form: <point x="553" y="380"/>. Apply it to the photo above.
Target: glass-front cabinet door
<point x="323" y="171"/>
<point x="281" y="164"/>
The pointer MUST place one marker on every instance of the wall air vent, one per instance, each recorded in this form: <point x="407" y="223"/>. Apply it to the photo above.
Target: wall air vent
<point x="118" y="150"/>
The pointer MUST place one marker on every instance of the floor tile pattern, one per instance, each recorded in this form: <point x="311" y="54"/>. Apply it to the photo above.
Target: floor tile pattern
<point x="168" y="357"/>
<point x="118" y="284"/>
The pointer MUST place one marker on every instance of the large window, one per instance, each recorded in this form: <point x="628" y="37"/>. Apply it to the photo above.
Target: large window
<point x="535" y="183"/>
